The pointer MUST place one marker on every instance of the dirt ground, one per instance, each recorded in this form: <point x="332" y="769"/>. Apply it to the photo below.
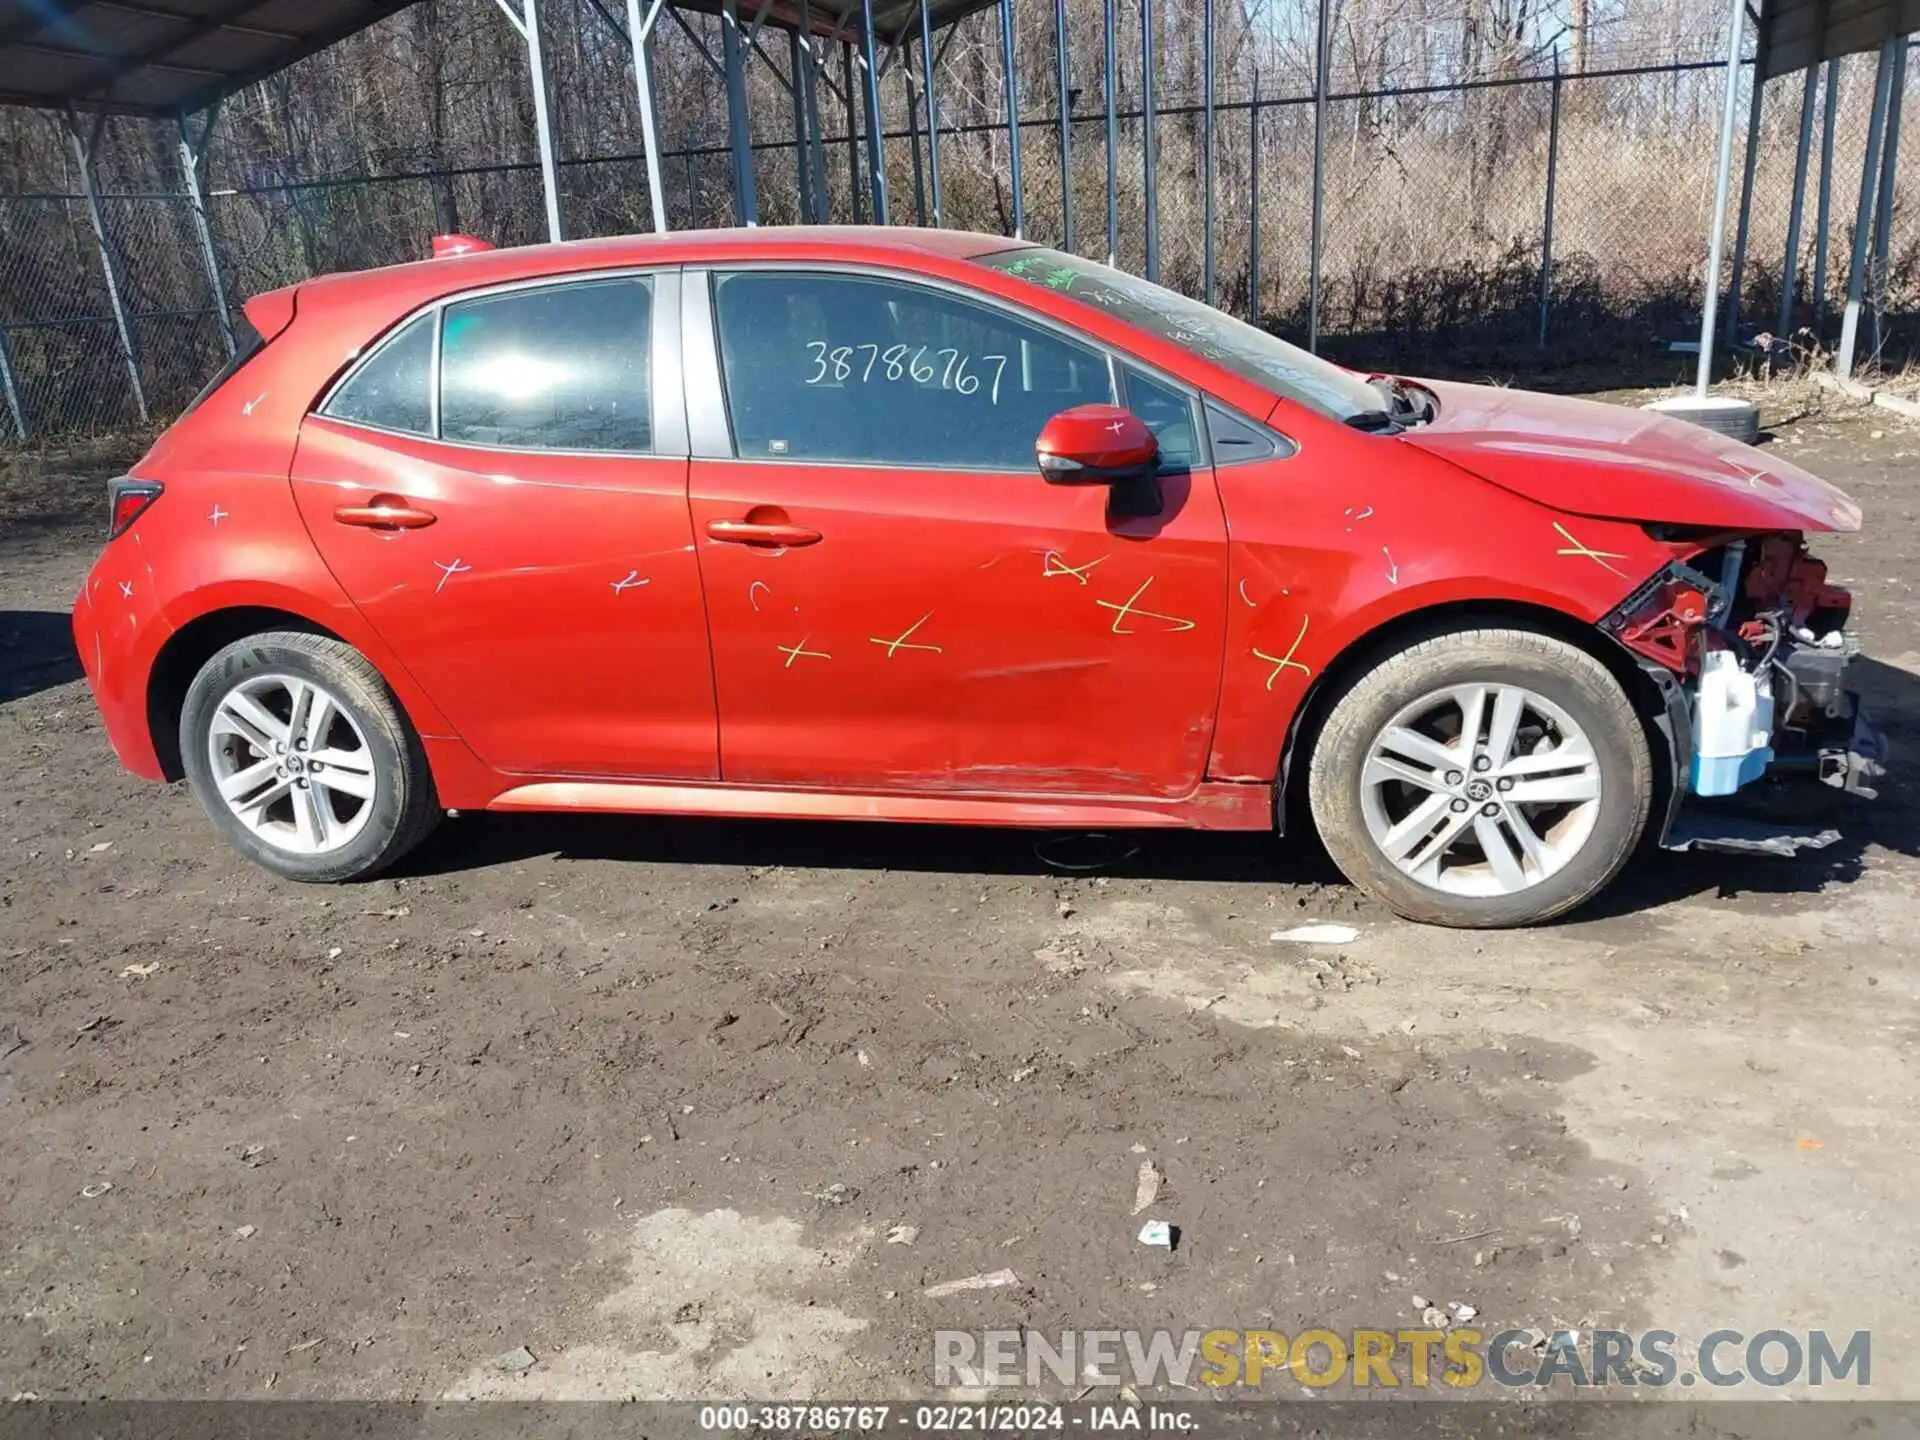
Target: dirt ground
<point x="648" y="1099"/>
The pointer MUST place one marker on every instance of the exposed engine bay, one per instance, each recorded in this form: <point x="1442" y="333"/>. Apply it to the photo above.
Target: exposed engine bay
<point x="1756" y="637"/>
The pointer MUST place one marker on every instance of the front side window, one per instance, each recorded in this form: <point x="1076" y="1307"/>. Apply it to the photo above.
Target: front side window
<point x="564" y="367"/>
<point x="1168" y="413"/>
<point x="393" y="390"/>
<point x="851" y="368"/>
<point x="1233" y="345"/>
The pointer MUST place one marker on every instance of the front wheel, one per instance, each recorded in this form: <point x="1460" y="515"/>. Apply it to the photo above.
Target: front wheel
<point x="296" y="748"/>
<point x="1482" y="778"/>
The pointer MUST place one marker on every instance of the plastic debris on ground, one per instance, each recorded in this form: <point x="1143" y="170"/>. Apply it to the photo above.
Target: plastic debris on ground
<point x="1157" y="1233"/>
<point x="1318" y="935"/>
<point x="1147" y="1189"/>
<point x="992" y="1281"/>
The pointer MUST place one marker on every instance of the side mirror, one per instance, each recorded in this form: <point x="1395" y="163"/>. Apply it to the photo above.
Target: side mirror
<point x="1103" y="445"/>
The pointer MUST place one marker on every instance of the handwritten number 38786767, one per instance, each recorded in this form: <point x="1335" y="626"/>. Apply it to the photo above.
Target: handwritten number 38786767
<point x="948" y="368"/>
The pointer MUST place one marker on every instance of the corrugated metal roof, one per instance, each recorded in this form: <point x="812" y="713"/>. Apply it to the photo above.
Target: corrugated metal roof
<point x="167" y="57"/>
<point x="162" y="57"/>
<point x="1797" y="33"/>
<point x="893" y="20"/>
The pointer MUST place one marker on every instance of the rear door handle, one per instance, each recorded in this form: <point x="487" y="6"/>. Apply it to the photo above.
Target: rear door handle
<point x="385" y="512"/>
<point x="750" y="532"/>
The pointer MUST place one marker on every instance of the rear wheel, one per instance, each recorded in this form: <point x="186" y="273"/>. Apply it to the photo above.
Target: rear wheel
<point x="295" y="747"/>
<point x="1482" y="778"/>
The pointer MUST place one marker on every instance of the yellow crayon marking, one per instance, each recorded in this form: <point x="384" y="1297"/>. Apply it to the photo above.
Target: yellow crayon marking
<point x="1055" y="564"/>
<point x="1285" y="662"/>
<point x="1599" y="557"/>
<point x="901" y="643"/>
<point x="1127" y="607"/>
<point x="794" y="652"/>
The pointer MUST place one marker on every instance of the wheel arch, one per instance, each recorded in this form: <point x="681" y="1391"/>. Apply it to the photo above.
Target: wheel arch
<point x="1394" y="634"/>
<point x="189" y="648"/>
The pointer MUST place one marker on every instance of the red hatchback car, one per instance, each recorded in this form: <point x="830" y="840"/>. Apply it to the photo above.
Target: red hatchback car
<point x="913" y="525"/>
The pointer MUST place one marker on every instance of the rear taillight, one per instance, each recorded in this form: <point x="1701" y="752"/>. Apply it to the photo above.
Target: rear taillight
<point x="127" y="501"/>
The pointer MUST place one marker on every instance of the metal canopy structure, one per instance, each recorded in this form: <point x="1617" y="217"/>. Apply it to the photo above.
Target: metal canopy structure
<point x="162" y="57"/>
<point x="894" y="21"/>
<point x="179" y="59"/>
<point x="1796" y="34"/>
<point x="1811" y="37"/>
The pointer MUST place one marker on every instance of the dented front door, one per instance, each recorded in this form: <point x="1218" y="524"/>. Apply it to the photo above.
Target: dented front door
<point x="914" y="627"/>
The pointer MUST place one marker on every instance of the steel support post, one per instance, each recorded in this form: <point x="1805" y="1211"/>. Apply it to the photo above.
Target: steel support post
<point x="1066" y="122"/>
<point x="1863" y="216"/>
<point x="192" y="150"/>
<point x="913" y="136"/>
<point x="809" y="80"/>
<point x="933" y="111"/>
<point x="1722" y="185"/>
<point x="1823" y="216"/>
<point x="1553" y="192"/>
<point x="1883" y="210"/>
<point x="640" y="37"/>
<point x="854" y="187"/>
<point x="1797" y="204"/>
<point x="876" y="139"/>
<point x="1317" y="225"/>
<point x="1109" y="81"/>
<point x="83" y="148"/>
<point x="1748" y="169"/>
<point x="525" y="21"/>
<point x="1009" y="74"/>
<point x="1207" y="278"/>
<point x="10" y="390"/>
<point x="746" y="199"/>
<point x="803" y="182"/>
<point x="1253" y="204"/>
<point x="1148" y="158"/>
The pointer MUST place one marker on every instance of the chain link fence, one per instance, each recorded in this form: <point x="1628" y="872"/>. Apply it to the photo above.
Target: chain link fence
<point x="1436" y="221"/>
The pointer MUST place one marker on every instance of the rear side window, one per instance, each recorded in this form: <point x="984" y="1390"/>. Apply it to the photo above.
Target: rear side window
<point x="393" y="390"/>
<point x="558" y="368"/>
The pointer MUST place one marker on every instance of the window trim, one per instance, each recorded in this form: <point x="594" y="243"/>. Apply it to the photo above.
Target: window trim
<point x="668" y="417"/>
<point x="1196" y="414"/>
<point x="1285" y="447"/>
<point x="709" y="414"/>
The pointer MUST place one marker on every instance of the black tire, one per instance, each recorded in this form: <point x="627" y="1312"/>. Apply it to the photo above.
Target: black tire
<point x="1555" y="670"/>
<point x="403" y="808"/>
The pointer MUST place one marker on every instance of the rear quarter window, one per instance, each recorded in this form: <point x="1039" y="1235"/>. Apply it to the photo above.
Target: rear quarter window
<point x="393" y="388"/>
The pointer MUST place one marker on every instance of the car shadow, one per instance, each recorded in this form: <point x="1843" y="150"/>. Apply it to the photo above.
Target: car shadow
<point x="479" y="840"/>
<point x="1655" y="878"/>
<point x="36" y="652"/>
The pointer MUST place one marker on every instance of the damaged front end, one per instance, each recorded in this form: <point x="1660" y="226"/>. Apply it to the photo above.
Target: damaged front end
<point x="1746" y="640"/>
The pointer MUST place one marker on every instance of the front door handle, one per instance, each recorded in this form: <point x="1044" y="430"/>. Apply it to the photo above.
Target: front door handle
<point x="752" y="532"/>
<point x="385" y="512"/>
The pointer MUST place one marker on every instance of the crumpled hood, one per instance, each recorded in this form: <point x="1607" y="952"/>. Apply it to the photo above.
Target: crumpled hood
<point x="1590" y="458"/>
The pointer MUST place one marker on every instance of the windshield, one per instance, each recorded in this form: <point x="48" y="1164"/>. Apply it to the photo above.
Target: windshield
<point x="1232" y="344"/>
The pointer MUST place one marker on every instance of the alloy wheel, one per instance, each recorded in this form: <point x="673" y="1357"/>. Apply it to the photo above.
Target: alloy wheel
<point x="292" y="764"/>
<point x="1481" y="790"/>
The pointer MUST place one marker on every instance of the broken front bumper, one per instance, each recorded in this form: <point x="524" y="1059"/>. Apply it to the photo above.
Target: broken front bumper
<point x="1842" y="750"/>
<point x="1848" y="754"/>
